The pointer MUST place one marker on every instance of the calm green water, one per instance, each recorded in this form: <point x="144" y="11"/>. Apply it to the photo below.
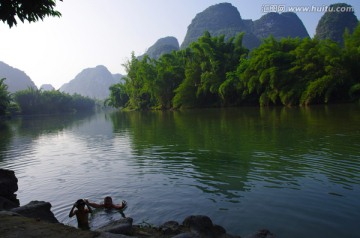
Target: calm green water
<point x="294" y="171"/>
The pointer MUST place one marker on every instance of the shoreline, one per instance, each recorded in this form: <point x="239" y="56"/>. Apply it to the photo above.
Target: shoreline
<point x="36" y="219"/>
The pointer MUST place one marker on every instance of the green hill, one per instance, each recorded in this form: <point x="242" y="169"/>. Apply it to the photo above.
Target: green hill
<point x="286" y="24"/>
<point x="225" y="19"/>
<point x="333" y="23"/>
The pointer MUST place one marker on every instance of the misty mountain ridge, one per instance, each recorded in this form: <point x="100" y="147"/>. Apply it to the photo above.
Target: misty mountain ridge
<point x="162" y="46"/>
<point x="92" y="82"/>
<point x="16" y="80"/>
<point x="47" y="87"/>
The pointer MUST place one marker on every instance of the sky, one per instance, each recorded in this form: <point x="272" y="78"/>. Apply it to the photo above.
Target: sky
<point x="105" y="32"/>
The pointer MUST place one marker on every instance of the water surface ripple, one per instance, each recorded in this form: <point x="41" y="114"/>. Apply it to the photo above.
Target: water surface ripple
<point x="294" y="171"/>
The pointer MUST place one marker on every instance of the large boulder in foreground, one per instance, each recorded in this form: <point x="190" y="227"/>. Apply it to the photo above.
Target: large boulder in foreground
<point x="37" y="209"/>
<point x="122" y="226"/>
<point x="14" y="225"/>
<point x="8" y="187"/>
<point x="262" y="234"/>
<point x="202" y="226"/>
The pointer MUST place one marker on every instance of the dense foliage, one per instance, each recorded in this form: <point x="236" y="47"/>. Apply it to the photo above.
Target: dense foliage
<point x="30" y="11"/>
<point x="214" y="72"/>
<point x="5" y="97"/>
<point x="33" y="101"/>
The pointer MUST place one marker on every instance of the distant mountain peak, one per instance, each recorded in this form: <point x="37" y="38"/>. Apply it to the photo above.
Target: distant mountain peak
<point x="217" y="19"/>
<point x="332" y="24"/>
<point x="225" y="19"/>
<point x="47" y="87"/>
<point x="162" y="46"/>
<point x="16" y="80"/>
<point x="286" y="24"/>
<point x="92" y="82"/>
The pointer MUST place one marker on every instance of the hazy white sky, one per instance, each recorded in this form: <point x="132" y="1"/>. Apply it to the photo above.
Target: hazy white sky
<point x="105" y="32"/>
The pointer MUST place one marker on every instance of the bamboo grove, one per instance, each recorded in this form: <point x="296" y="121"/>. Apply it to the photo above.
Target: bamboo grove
<point x="34" y="101"/>
<point x="214" y="72"/>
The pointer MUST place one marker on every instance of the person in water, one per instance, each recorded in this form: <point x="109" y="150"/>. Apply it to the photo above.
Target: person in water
<point x="81" y="213"/>
<point x="108" y="203"/>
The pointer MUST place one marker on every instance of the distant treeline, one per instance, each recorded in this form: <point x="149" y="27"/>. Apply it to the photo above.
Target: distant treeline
<point x="34" y="101"/>
<point x="214" y="72"/>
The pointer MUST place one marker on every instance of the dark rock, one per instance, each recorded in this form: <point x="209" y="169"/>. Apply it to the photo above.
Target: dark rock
<point x="8" y="186"/>
<point x="187" y="235"/>
<point x="263" y="233"/>
<point x="38" y="210"/>
<point x="111" y="235"/>
<point x="8" y="213"/>
<point x="229" y="236"/>
<point x="170" y="228"/>
<point x="6" y="204"/>
<point x="198" y="222"/>
<point x="203" y="226"/>
<point x="218" y="231"/>
<point x="123" y="226"/>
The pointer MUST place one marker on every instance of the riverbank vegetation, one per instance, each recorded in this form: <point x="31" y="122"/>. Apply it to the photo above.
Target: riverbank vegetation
<point x="34" y="101"/>
<point x="214" y="72"/>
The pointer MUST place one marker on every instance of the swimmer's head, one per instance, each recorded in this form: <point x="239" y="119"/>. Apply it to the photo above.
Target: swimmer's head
<point x="108" y="202"/>
<point x="80" y="203"/>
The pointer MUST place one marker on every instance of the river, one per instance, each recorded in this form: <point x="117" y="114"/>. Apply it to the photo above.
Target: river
<point x="294" y="171"/>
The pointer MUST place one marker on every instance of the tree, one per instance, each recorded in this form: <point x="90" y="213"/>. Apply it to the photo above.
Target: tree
<point x="320" y="68"/>
<point x="209" y="61"/>
<point x="170" y="73"/>
<point x="352" y="60"/>
<point x="5" y="97"/>
<point x="26" y="10"/>
<point x="35" y="101"/>
<point x="265" y="75"/>
<point x="118" y="96"/>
